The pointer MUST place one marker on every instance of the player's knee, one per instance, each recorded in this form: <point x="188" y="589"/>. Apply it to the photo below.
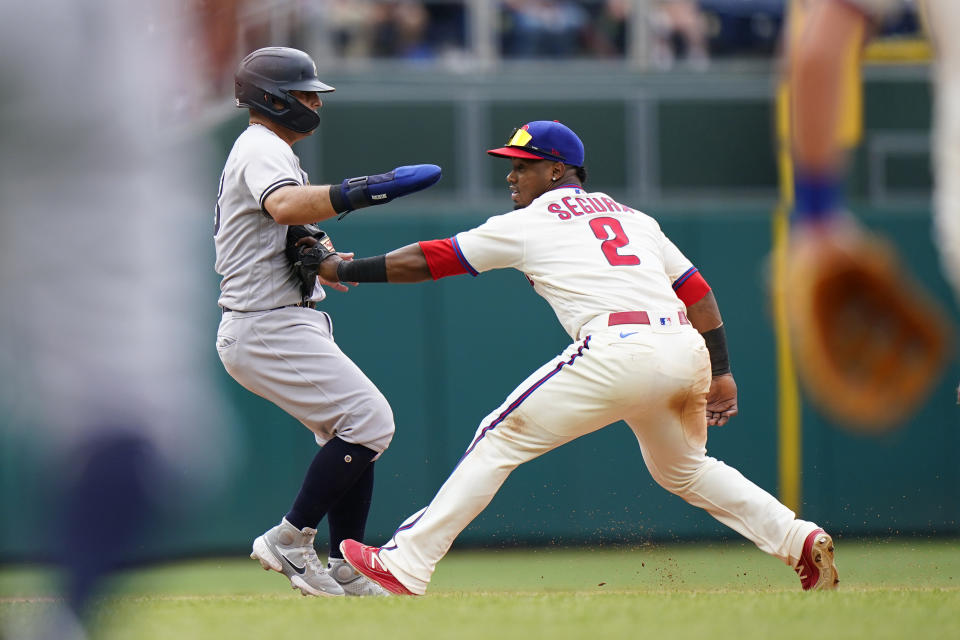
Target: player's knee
<point x="664" y="481"/>
<point x="375" y="428"/>
<point x="383" y="413"/>
<point x="677" y="481"/>
<point x="381" y="440"/>
<point x="385" y="436"/>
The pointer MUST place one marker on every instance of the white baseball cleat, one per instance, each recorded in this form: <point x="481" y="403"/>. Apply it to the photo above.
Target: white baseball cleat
<point x="352" y="581"/>
<point x="288" y="550"/>
<point x="816" y="567"/>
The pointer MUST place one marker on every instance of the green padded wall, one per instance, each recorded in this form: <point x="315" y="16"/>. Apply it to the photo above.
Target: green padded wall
<point x="447" y="353"/>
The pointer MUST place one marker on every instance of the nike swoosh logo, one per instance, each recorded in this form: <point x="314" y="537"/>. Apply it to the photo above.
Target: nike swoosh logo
<point x="627" y="335"/>
<point x="299" y="570"/>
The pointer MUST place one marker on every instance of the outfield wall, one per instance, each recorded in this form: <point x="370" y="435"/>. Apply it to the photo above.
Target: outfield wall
<point x="447" y="353"/>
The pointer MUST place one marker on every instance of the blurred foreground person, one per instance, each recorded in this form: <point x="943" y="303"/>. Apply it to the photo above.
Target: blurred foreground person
<point x="105" y="210"/>
<point x="868" y="340"/>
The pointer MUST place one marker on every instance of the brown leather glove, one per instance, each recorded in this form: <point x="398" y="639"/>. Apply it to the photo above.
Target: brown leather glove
<point x="868" y="341"/>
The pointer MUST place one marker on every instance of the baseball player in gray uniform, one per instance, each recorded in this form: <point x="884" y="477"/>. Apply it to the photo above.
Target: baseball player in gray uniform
<point x="272" y="341"/>
<point x="648" y="348"/>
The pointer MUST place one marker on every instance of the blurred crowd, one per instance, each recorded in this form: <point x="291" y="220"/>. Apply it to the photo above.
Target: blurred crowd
<point x="670" y="33"/>
<point x="395" y="29"/>
<point x="525" y="29"/>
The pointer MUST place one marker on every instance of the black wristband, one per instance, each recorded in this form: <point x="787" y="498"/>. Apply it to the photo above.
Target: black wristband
<point x="338" y="201"/>
<point x="716" y="340"/>
<point x="363" y="270"/>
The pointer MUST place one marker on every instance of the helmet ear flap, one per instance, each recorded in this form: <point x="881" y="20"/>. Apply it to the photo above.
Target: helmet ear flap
<point x="265" y="78"/>
<point x="271" y="104"/>
<point x="285" y="110"/>
<point x="299" y="117"/>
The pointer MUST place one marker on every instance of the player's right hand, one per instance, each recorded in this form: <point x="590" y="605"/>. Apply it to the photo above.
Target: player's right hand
<point x="721" y="400"/>
<point x="328" y="269"/>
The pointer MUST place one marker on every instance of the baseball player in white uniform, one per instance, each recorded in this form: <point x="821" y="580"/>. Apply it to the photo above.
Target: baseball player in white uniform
<point x="943" y="18"/>
<point x="272" y="341"/>
<point x="648" y="348"/>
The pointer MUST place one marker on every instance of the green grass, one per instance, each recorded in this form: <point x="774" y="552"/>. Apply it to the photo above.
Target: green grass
<point x="889" y="589"/>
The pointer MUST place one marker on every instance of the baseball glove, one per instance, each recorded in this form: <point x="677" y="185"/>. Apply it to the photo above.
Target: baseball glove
<point x="307" y="247"/>
<point x="868" y="342"/>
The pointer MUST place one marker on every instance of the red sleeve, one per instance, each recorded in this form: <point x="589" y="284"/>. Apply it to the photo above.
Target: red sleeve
<point x="691" y="287"/>
<point x="442" y="258"/>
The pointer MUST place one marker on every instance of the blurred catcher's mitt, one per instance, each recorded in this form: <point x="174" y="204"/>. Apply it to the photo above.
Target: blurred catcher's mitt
<point x="869" y="343"/>
<point x="307" y="247"/>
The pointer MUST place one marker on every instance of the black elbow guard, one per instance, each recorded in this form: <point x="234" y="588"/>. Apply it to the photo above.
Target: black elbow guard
<point x="364" y="191"/>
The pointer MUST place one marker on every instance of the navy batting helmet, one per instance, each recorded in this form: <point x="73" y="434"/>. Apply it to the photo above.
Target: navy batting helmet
<point x="265" y="79"/>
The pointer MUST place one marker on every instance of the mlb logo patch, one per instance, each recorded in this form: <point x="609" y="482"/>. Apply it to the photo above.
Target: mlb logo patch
<point x="666" y="321"/>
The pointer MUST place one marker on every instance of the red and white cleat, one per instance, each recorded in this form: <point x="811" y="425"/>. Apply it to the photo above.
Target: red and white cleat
<point x="364" y="559"/>
<point x="816" y="567"/>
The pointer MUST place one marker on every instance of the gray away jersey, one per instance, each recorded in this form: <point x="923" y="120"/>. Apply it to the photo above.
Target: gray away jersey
<point x="249" y="243"/>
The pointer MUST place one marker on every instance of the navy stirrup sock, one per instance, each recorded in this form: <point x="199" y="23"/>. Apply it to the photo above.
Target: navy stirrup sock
<point x="334" y="470"/>
<point x="348" y="518"/>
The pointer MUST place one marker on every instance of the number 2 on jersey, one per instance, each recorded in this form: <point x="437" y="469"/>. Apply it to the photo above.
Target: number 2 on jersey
<point x="602" y="228"/>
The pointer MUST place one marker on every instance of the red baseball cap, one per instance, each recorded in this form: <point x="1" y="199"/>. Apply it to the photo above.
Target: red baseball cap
<point x="543" y="140"/>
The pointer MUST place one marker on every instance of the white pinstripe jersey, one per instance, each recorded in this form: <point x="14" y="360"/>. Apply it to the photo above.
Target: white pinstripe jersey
<point x="584" y="253"/>
<point x="249" y="243"/>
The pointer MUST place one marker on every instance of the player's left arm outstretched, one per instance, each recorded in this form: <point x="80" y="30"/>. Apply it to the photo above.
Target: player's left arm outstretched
<point x="406" y="264"/>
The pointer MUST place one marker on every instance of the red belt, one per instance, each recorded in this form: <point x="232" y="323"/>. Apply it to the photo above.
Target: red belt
<point x="637" y="317"/>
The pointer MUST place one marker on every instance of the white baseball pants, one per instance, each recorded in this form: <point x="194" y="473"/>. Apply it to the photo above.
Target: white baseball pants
<point x="654" y="378"/>
<point x="944" y="22"/>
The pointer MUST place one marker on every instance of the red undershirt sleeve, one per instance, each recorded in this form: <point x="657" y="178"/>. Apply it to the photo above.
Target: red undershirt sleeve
<point x="444" y="258"/>
<point x="691" y="287"/>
